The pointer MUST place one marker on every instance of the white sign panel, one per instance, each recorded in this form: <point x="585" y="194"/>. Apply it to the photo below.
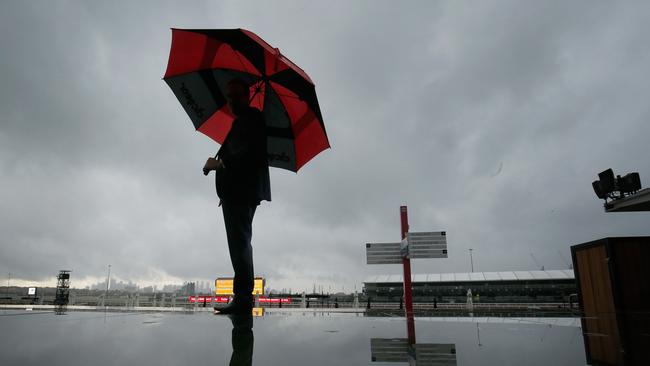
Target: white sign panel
<point x="430" y="244"/>
<point x="31" y="291"/>
<point x="383" y="253"/>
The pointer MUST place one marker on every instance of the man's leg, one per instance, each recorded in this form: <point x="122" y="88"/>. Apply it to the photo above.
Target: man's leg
<point x="238" y="218"/>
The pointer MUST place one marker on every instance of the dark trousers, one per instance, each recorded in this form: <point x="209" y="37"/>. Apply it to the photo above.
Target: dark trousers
<point x="238" y="218"/>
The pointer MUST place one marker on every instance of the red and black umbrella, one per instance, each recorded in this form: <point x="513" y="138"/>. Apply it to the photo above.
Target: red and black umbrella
<point x="202" y="61"/>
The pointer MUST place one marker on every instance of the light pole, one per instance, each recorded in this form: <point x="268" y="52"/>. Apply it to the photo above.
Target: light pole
<point x="108" y="281"/>
<point x="471" y="259"/>
<point x="8" y="279"/>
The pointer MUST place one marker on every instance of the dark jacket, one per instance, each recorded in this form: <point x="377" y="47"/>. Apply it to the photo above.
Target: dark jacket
<point x="245" y="178"/>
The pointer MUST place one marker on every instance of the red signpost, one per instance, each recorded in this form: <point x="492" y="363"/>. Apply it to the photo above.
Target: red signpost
<point x="428" y="244"/>
<point x="406" y="263"/>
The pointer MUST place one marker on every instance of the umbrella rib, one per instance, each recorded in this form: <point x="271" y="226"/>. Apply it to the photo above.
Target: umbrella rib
<point x="225" y="68"/>
<point x="286" y="95"/>
<point x="242" y="62"/>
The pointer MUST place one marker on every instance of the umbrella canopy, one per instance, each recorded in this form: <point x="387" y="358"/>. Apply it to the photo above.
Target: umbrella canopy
<point x="202" y="61"/>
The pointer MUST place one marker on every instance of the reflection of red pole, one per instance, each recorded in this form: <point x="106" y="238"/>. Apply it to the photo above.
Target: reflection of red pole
<point x="408" y="295"/>
<point x="410" y="329"/>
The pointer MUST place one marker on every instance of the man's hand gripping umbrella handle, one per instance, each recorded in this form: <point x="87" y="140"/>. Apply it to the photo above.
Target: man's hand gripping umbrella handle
<point x="206" y="168"/>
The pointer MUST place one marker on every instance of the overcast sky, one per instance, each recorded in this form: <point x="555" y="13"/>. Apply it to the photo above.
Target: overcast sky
<point x="488" y="119"/>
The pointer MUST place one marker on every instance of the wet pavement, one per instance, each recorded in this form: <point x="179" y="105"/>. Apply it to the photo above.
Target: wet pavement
<point x="282" y="338"/>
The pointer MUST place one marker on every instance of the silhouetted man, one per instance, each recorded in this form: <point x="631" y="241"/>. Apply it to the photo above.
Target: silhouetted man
<point x="242" y="182"/>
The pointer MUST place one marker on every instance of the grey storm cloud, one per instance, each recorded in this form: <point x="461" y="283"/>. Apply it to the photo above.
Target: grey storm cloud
<point x="489" y="120"/>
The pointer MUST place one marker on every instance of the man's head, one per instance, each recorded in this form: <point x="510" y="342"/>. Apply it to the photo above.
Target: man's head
<point x="237" y="95"/>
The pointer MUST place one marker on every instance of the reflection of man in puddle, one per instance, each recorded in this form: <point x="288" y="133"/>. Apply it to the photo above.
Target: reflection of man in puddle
<point x="242" y="339"/>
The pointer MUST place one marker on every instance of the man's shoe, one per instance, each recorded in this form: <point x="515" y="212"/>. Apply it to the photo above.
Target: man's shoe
<point x="235" y="307"/>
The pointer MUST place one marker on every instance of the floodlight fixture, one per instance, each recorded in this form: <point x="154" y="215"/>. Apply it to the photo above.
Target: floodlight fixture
<point x="617" y="190"/>
<point x="629" y="183"/>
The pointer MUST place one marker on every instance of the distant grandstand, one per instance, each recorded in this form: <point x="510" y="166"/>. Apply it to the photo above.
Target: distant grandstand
<point x="495" y="287"/>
